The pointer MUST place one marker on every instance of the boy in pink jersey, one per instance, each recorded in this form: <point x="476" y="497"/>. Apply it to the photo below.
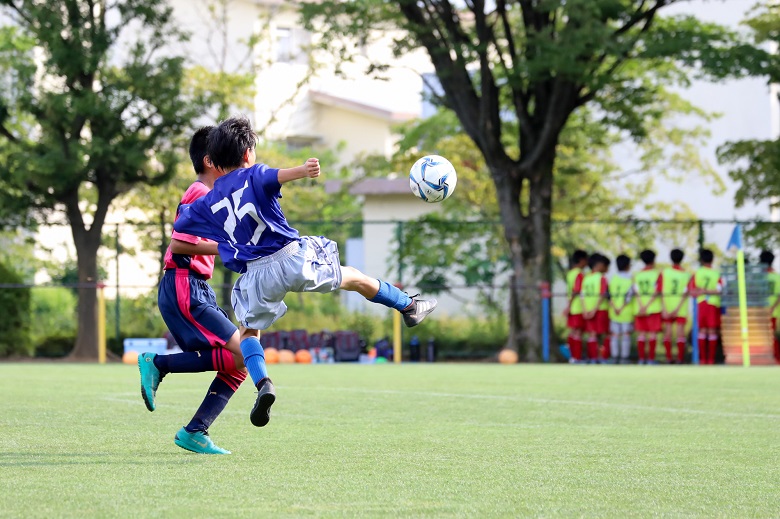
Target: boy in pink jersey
<point x="201" y="328"/>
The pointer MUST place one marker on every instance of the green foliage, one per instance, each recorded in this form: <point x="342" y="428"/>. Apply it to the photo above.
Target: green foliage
<point x="15" y="309"/>
<point x="54" y="314"/>
<point x="139" y="317"/>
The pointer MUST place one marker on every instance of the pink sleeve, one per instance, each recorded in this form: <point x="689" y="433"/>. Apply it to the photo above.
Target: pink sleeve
<point x="185" y="237"/>
<point x="195" y="191"/>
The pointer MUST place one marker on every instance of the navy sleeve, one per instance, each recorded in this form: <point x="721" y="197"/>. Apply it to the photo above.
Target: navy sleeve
<point x="191" y="221"/>
<point x="269" y="179"/>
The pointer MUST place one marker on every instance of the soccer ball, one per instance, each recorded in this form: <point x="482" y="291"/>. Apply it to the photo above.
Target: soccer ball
<point x="432" y="178"/>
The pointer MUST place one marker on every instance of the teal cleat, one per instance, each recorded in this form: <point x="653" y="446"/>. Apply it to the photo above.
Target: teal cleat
<point x="198" y="442"/>
<point x="150" y="378"/>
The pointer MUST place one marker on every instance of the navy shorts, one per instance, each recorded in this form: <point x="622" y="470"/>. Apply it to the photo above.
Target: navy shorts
<point x="189" y="308"/>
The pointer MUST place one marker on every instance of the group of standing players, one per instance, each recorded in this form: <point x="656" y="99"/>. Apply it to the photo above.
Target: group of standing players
<point x="604" y="314"/>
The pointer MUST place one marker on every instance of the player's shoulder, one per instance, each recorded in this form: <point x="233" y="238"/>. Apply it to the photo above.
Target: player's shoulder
<point x="196" y="190"/>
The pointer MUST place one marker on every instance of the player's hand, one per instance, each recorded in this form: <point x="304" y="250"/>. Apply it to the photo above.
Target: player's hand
<point x="312" y="168"/>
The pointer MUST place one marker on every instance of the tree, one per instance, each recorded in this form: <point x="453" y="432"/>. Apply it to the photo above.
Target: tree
<point x="89" y="109"/>
<point x="756" y="163"/>
<point x="532" y="64"/>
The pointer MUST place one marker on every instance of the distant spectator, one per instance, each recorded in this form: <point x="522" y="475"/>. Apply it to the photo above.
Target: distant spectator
<point x="621" y="310"/>
<point x="414" y="349"/>
<point x="647" y="284"/>
<point x="773" y="301"/>
<point x="573" y="310"/>
<point x="595" y="306"/>
<point x="674" y="297"/>
<point x="707" y="286"/>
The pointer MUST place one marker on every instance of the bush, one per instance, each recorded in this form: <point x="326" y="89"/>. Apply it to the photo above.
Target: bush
<point x="15" y="309"/>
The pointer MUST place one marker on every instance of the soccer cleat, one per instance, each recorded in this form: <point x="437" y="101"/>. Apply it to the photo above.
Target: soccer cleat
<point x="266" y="395"/>
<point x="150" y="378"/>
<point x="417" y="311"/>
<point x="198" y="442"/>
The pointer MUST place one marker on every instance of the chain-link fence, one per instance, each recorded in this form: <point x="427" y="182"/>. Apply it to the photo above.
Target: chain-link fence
<point x="463" y="263"/>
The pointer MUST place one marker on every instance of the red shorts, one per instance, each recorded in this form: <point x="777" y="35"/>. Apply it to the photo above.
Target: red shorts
<point x="599" y="324"/>
<point x="678" y="320"/>
<point x="709" y="315"/>
<point x="575" y="322"/>
<point x="648" y="323"/>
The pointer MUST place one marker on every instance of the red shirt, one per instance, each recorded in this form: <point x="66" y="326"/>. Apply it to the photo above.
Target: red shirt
<point x="201" y="264"/>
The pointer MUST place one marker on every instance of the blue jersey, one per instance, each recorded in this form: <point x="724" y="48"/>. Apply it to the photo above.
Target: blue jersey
<point x="242" y="215"/>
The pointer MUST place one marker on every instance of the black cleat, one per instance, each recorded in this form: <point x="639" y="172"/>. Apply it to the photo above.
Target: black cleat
<point x="418" y="310"/>
<point x="266" y="395"/>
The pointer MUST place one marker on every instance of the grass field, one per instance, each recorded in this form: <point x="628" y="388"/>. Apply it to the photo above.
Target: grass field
<point x="414" y="440"/>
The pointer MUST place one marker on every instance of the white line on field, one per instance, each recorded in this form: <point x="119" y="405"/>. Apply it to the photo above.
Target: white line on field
<point x="589" y="403"/>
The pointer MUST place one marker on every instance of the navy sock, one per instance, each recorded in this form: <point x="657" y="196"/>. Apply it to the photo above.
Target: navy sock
<point x="391" y="296"/>
<point x="186" y="362"/>
<point x="216" y="399"/>
<point x="254" y="359"/>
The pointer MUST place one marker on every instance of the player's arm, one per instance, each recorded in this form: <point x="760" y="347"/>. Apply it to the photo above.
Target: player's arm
<point x="201" y="248"/>
<point x="310" y="169"/>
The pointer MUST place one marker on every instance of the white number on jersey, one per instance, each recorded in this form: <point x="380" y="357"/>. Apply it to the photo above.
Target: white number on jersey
<point x="236" y="212"/>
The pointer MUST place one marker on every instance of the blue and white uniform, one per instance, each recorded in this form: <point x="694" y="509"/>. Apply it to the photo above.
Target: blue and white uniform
<point x="242" y="214"/>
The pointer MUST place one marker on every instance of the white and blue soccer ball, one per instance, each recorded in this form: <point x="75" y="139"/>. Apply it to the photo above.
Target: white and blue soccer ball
<point x="433" y="178"/>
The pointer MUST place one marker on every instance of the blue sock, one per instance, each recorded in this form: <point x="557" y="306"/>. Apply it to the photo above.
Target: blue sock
<point x="216" y="399"/>
<point x="391" y="296"/>
<point x="254" y="359"/>
<point x="185" y="362"/>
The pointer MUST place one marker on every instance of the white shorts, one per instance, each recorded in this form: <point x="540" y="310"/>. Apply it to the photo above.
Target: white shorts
<point x="619" y="328"/>
<point x="310" y="264"/>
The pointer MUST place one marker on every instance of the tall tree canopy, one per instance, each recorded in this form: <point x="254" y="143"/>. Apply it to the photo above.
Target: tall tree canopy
<point x="89" y="107"/>
<point x="530" y="65"/>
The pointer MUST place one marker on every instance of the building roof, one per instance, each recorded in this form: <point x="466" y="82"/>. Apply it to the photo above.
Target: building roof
<point x="358" y="107"/>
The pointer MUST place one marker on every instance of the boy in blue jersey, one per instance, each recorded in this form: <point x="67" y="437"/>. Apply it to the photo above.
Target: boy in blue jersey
<point x="242" y="214"/>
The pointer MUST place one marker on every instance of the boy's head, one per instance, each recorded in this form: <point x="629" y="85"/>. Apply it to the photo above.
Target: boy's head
<point x="648" y="257"/>
<point x="605" y="263"/>
<point x="706" y="257"/>
<point x="579" y="259"/>
<point x="676" y="256"/>
<point x="623" y="263"/>
<point x="232" y="144"/>
<point x="598" y="262"/>
<point x="199" y="154"/>
<point x="767" y="258"/>
<point x="593" y="260"/>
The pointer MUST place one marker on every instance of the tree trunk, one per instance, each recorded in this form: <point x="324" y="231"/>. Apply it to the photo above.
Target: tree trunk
<point x="87" y="336"/>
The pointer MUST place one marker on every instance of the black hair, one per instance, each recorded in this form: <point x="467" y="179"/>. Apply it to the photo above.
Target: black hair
<point x="605" y="260"/>
<point x="647" y="256"/>
<point x="623" y="262"/>
<point x="578" y="256"/>
<point x="706" y="256"/>
<point x="676" y="256"/>
<point x="229" y="141"/>
<point x="593" y="259"/>
<point x="199" y="147"/>
<point x="767" y="258"/>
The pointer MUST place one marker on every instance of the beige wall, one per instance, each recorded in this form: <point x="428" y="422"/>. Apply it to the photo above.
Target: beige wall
<point x="360" y="134"/>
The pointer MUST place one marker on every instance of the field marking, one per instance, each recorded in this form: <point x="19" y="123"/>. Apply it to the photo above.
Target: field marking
<point x="590" y="403"/>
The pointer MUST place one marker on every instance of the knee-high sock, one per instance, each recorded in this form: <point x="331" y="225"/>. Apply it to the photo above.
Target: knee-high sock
<point x="606" y="347"/>
<point x="222" y="388"/>
<point x="651" y="346"/>
<point x="682" y="346"/>
<point x="576" y="348"/>
<point x="668" y="349"/>
<point x="640" y="346"/>
<point x="391" y="296"/>
<point x="713" y="345"/>
<point x="216" y="359"/>
<point x="702" y="348"/>
<point x="614" y="346"/>
<point x="254" y="359"/>
<point x="593" y="348"/>
<point x="625" y="346"/>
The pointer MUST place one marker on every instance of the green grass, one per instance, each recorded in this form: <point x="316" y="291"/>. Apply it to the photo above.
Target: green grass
<point x="413" y="440"/>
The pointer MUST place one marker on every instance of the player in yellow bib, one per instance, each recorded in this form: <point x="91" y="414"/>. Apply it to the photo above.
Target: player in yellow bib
<point x="595" y="306"/>
<point x="573" y="310"/>
<point x="647" y="284"/>
<point x="675" y="302"/>
<point x="773" y="300"/>
<point x="621" y="310"/>
<point x="707" y="286"/>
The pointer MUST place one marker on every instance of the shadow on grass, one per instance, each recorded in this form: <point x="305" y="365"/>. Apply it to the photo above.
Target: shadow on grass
<point x="29" y="459"/>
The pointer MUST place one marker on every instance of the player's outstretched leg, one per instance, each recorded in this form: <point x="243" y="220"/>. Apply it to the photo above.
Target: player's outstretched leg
<point x="254" y="360"/>
<point x="198" y="441"/>
<point x="413" y="309"/>
<point x="150" y="378"/>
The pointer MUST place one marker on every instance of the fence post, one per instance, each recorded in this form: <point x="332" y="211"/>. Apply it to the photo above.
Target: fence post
<point x="544" y="288"/>
<point x="695" y="333"/>
<point x="101" y="297"/>
<point x="116" y="298"/>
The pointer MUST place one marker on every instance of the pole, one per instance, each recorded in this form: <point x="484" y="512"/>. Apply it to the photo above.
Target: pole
<point x="101" y="323"/>
<point x="695" y="333"/>
<point x="116" y="298"/>
<point x="397" y="337"/>
<point x="743" y="320"/>
<point x="545" y="294"/>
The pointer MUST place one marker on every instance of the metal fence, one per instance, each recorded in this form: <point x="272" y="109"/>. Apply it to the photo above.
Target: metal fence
<point x="464" y="263"/>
